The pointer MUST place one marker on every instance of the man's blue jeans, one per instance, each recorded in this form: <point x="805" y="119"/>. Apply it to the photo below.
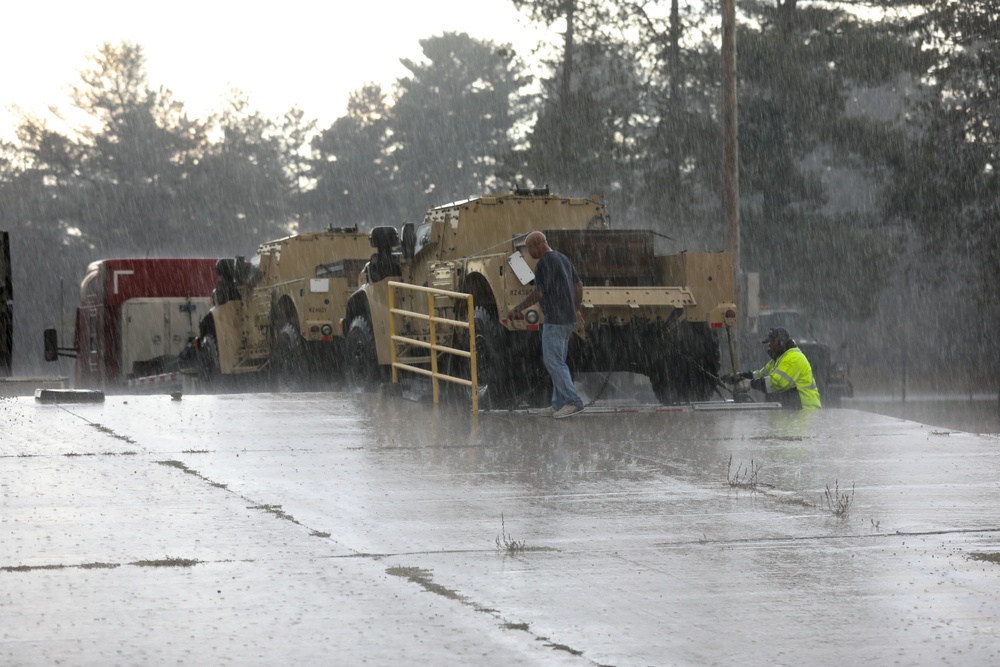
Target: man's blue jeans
<point x="555" y="346"/>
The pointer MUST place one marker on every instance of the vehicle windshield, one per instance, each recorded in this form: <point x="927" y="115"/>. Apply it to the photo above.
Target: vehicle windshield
<point x="423" y="236"/>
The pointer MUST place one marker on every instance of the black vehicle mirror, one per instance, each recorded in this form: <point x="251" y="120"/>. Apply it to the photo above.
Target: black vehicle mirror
<point x="51" y="341"/>
<point x="226" y="269"/>
<point x="241" y="270"/>
<point x="383" y="239"/>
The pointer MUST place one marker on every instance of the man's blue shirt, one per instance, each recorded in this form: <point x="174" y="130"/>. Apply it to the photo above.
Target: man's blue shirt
<point x="555" y="278"/>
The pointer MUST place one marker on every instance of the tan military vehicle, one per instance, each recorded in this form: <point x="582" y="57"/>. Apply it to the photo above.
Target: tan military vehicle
<point x="281" y="311"/>
<point x="649" y="314"/>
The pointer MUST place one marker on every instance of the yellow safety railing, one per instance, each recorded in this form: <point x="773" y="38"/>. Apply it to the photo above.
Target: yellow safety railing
<point x="434" y="347"/>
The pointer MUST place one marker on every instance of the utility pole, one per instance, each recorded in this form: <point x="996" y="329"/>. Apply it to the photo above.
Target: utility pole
<point x="730" y="154"/>
<point x="6" y="308"/>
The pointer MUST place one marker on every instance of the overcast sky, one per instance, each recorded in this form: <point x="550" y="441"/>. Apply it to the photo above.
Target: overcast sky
<point x="295" y="52"/>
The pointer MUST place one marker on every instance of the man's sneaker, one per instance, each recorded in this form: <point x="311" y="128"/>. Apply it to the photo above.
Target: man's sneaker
<point x="546" y="412"/>
<point x="567" y="410"/>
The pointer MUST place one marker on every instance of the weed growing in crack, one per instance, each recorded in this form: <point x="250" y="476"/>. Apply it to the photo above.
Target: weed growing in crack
<point x="191" y="471"/>
<point x="743" y="478"/>
<point x="108" y="431"/>
<point x="167" y="562"/>
<point x="516" y="626"/>
<point x="30" y="568"/>
<point x="506" y="543"/>
<point x="423" y="578"/>
<point x="275" y="510"/>
<point x="837" y="502"/>
<point x="986" y="557"/>
<point x="564" y="647"/>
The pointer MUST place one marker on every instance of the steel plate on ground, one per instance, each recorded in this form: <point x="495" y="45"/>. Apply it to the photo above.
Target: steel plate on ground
<point x="69" y="395"/>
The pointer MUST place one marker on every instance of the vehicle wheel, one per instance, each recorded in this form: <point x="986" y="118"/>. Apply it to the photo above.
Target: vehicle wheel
<point x="663" y="386"/>
<point x="361" y="359"/>
<point x="208" y="358"/>
<point x="493" y="362"/>
<point x="704" y="362"/>
<point x="685" y="371"/>
<point x="288" y="356"/>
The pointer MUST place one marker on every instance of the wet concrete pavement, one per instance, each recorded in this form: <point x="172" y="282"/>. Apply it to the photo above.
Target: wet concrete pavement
<point x="334" y="528"/>
<point x="979" y="413"/>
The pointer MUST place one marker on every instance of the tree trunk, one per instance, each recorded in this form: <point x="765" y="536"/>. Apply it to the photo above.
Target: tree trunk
<point x="676" y="87"/>
<point x="786" y="16"/>
<point x="565" y="91"/>
<point x="675" y="51"/>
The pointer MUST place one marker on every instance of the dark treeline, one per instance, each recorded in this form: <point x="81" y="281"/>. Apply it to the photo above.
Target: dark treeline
<point x="867" y="159"/>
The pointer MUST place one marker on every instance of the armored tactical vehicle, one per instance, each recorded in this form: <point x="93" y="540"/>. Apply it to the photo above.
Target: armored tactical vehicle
<point x="649" y="314"/>
<point x="280" y="312"/>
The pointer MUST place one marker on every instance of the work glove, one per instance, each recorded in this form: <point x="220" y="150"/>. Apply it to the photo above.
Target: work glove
<point x="746" y="375"/>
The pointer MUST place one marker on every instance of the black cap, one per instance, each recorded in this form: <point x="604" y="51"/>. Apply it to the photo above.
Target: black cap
<point x="778" y="332"/>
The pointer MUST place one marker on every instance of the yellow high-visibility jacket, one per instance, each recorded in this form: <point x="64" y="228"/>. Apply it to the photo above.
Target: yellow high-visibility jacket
<point x="791" y="371"/>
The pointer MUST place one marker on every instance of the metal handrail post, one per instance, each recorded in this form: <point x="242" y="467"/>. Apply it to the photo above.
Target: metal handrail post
<point x="392" y="334"/>
<point x="473" y="371"/>
<point x="432" y="344"/>
<point x="434" y="340"/>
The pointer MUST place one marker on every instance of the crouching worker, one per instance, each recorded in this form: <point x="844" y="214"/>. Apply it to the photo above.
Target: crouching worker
<point x="787" y="378"/>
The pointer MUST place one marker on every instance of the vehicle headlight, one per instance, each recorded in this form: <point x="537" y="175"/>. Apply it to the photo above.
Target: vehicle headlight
<point x="531" y="317"/>
<point x="327" y="330"/>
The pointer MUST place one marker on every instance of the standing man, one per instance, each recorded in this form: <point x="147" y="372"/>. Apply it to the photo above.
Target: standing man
<point x="788" y="377"/>
<point x="559" y="290"/>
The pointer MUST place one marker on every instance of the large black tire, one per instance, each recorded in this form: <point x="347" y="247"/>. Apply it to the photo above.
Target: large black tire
<point x="684" y="373"/>
<point x="664" y="387"/>
<point x="493" y="362"/>
<point x="360" y="357"/>
<point x="510" y="376"/>
<point x="208" y="358"/>
<point x="288" y="357"/>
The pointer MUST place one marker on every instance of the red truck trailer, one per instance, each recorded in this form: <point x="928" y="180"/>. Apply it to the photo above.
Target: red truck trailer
<point x="135" y="318"/>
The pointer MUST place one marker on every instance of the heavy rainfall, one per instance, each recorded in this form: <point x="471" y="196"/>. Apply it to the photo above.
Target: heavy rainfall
<point x="833" y="175"/>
